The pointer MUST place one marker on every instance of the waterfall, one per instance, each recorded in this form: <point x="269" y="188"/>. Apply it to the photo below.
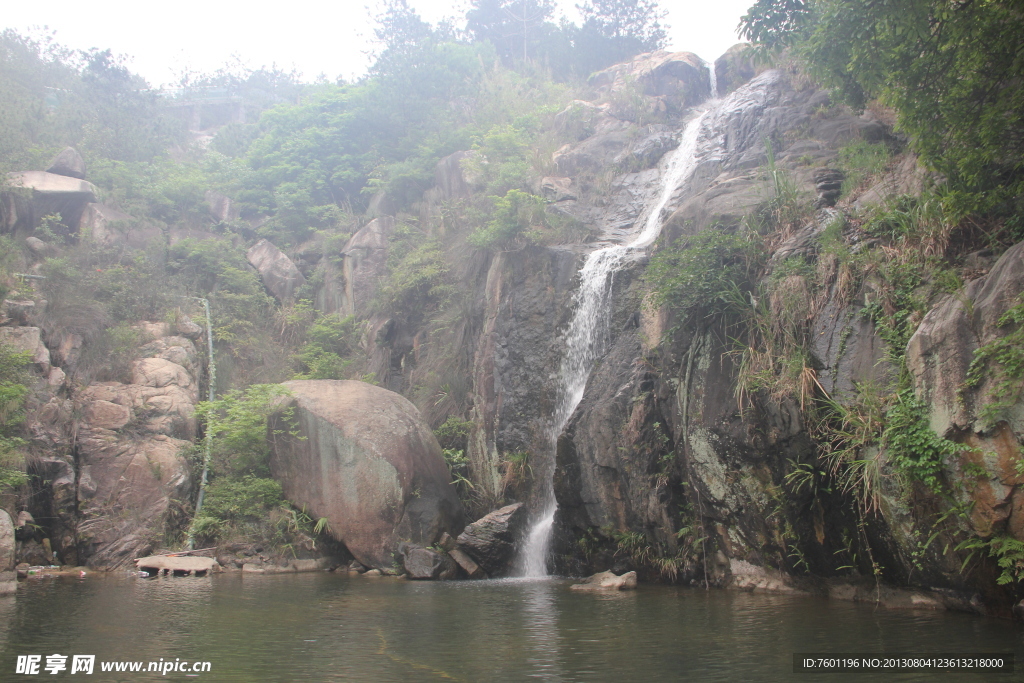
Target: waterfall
<point x="714" y="80"/>
<point x="588" y="333"/>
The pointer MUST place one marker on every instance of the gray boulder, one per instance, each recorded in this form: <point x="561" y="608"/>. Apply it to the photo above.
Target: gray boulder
<point x="362" y="457"/>
<point x="68" y="162"/>
<point x="734" y="68"/>
<point x="280" y="276"/>
<point x="426" y="564"/>
<point x="493" y="539"/>
<point x="364" y="264"/>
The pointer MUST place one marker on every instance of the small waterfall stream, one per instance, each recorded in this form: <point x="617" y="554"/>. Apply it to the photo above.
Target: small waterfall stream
<point x="588" y="333"/>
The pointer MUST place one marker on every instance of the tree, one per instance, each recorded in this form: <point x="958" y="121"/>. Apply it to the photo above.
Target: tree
<point x="401" y="31"/>
<point x="951" y="70"/>
<point x="638" y="21"/>
<point x="514" y="27"/>
<point x="614" y="31"/>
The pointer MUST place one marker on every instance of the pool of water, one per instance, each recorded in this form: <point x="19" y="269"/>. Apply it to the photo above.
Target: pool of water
<point x="333" y="627"/>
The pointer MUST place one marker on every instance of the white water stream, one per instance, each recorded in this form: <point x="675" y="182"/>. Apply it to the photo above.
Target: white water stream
<point x="587" y="336"/>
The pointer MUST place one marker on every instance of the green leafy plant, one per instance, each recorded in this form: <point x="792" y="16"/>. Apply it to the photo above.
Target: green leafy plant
<point x="238" y="421"/>
<point x="861" y="160"/>
<point x="518" y="220"/>
<point x="1002" y="360"/>
<point x="1008" y="552"/>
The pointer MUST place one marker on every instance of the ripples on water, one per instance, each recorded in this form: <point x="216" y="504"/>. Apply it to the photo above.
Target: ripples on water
<point x="329" y="627"/>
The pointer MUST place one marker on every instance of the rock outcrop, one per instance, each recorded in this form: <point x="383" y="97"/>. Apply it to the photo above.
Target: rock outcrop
<point x="939" y="357"/>
<point x="677" y="79"/>
<point x="362" y="457"/>
<point x="131" y="440"/>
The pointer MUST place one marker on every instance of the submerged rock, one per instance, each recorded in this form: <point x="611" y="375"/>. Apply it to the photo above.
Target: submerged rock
<point x="493" y="539"/>
<point x="362" y="457"/>
<point x="608" y="581"/>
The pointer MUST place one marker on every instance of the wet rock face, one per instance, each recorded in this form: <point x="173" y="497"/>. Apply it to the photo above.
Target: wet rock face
<point x="362" y="457"/>
<point x="655" y="414"/>
<point x="493" y="539"/>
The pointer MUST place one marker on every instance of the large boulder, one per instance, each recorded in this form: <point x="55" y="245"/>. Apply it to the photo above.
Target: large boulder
<point x="362" y="457"/>
<point x="678" y="79"/>
<point x="607" y="581"/>
<point x="277" y="271"/>
<point x="111" y="227"/>
<point x="493" y="539"/>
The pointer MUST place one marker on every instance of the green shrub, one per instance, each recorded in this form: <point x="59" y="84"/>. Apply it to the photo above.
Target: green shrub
<point x="1002" y="358"/>
<point x="860" y="161"/>
<point x="237" y="500"/>
<point x="912" y="445"/>
<point x="705" y="273"/>
<point x="330" y="339"/>
<point x="518" y="219"/>
<point x="238" y="422"/>
<point x="417" y="273"/>
<point x="14" y="380"/>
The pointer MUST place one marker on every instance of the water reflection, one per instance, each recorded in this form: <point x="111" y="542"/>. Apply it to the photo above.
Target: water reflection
<point x="323" y="627"/>
<point x="541" y="627"/>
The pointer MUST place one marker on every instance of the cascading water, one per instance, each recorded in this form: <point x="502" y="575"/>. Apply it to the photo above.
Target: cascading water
<point x="588" y="333"/>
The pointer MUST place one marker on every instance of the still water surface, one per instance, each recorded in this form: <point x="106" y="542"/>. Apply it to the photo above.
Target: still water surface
<point x="332" y="627"/>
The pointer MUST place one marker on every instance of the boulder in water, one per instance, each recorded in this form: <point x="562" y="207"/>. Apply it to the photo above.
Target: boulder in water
<point x="426" y="563"/>
<point x="362" y="457"/>
<point x="492" y="540"/>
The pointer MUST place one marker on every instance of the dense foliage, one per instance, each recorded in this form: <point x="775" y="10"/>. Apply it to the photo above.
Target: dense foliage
<point x="951" y="70"/>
